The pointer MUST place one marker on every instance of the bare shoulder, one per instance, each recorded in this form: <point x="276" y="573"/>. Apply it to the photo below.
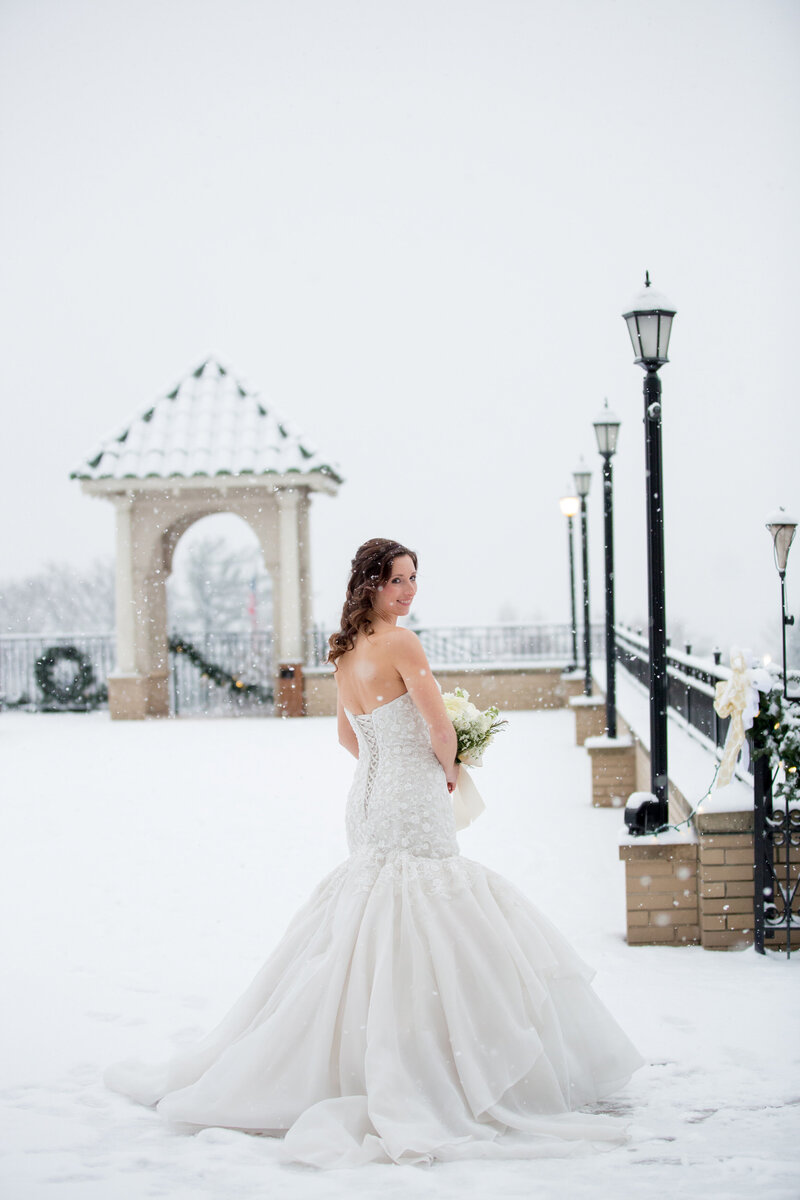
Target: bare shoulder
<point x="403" y="637"/>
<point x="403" y="642"/>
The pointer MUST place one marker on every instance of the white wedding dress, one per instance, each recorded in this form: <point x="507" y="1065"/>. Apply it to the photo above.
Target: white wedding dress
<point x="417" y="1008"/>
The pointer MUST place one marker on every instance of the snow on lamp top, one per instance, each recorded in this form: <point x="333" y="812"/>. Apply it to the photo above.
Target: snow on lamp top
<point x="781" y="524"/>
<point x="649" y="325"/>
<point x="209" y="425"/>
<point x="583" y="478"/>
<point x="606" y="428"/>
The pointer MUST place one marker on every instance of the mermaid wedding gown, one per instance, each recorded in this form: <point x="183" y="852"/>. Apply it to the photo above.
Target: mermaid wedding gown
<point x="418" y="1006"/>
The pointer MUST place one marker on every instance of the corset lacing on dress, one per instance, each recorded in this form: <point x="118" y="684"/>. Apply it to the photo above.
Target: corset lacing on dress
<point x="368" y="729"/>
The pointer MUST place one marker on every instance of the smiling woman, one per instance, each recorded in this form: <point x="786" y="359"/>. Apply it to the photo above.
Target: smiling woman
<point x="383" y="576"/>
<point x="418" y="1007"/>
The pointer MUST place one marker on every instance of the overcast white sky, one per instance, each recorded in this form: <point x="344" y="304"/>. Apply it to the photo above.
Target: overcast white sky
<point x="414" y="226"/>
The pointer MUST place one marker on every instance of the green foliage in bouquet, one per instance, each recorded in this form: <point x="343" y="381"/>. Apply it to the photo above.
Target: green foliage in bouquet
<point x="475" y="729"/>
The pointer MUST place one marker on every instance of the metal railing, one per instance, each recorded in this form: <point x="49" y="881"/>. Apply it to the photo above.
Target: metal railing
<point x="460" y="644"/>
<point x="691" y="682"/>
<point x="19" y="653"/>
<point x="250" y="657"/>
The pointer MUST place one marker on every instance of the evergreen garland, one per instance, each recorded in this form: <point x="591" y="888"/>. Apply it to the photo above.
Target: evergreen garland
<point x="776" y="732"/>
<point x="218" y="675"/>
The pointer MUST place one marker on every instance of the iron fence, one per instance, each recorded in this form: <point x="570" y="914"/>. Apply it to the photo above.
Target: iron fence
<point x="250" y="657"/>
<point x="196" y="691"/>
<point x="691" y="682"/>
<point x="20" y="652"/>
<point x="460" y="644"/>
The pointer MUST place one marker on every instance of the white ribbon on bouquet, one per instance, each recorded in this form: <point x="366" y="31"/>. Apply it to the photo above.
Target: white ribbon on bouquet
<point x="467" y="802"/>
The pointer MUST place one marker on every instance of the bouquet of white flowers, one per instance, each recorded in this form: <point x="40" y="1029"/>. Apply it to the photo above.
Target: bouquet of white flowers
<point x="475" y="730"/>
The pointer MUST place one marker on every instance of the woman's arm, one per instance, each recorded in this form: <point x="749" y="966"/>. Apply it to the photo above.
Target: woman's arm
<point x="409" y="659"/>
<point x="347" y="737"/>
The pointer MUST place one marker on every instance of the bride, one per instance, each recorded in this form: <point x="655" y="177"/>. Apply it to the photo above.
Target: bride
<point x="418" y="1007"/>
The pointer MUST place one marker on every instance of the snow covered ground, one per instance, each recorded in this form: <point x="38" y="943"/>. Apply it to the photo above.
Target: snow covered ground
<point x="146" y="869"/>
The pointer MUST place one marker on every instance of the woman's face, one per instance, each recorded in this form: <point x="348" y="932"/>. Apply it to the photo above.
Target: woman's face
<point x="393" y="598"/>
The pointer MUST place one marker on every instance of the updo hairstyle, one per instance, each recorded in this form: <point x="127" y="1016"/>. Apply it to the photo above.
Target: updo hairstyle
<point x="369" y="571"/>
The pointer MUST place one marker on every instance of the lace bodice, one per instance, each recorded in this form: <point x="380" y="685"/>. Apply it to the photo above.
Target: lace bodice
<point x="399" y="803"/>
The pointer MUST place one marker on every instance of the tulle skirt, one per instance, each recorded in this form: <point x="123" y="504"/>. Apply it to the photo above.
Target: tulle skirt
<point x="415" y="1009"/>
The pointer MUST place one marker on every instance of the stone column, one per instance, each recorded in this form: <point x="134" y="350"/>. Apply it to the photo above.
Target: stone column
<point x="138" y="686"/>
<point x="124" y="597"/>
<point x="127" y="686"/>
<point x="289" y="682"/>
<point x="305" y="576"/>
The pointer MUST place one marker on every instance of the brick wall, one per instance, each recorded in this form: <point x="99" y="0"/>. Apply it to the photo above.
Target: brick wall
<point x="510" y="688"/>
<point x="661" y="892"/>
<point x="725" y="879"/>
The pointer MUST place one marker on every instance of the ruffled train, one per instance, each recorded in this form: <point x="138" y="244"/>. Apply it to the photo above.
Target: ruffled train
<point x="415" y="1009"/>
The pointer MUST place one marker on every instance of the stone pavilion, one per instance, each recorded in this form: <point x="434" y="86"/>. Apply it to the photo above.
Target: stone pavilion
<point x="211" y="445"/>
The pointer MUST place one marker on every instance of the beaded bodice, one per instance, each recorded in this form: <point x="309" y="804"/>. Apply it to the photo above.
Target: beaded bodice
<point x="399" y="801"/>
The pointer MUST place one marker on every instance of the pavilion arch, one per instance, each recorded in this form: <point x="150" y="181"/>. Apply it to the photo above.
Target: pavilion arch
<point x="173" y="540"/>
<point x="210" y="446"/>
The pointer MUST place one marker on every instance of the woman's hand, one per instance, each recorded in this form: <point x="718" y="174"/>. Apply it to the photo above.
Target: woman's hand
<point x="452" y="777"/>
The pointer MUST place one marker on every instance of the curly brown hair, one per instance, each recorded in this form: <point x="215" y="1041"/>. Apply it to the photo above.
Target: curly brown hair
<point x="369" y="570"/>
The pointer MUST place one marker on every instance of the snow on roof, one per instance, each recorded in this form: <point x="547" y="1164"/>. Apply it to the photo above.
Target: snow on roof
<point x="209" y="425"/>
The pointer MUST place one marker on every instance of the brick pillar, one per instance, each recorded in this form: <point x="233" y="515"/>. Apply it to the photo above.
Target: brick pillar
<point x="571" y="684"/>
<point x="661" y="891"/>
<point x="725" y="878"/>
<point x="613" y="770"/>
<point x="590" y="717"/>
<point x="289" y="691"/>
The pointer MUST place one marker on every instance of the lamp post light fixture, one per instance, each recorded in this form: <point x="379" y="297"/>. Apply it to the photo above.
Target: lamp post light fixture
<point x="570" y="507"/>
<point x="649" y="325"/>
<point x="583" y="479"/>
<point x="606" y="428"/>
<point x="782" y="526"/>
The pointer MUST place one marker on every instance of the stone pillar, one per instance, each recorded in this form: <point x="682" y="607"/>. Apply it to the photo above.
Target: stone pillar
<point x="127" y="687"/>
<point x="138" y="686"/>
<point x="661" y="890"/>
<point x="306" y="616"/>
<point x="726" y="878"/>
<point x="124" y="597"/>
<point x="613" y="770"/>
<point x="289" y="685"/>
<point x="590" y="717"/>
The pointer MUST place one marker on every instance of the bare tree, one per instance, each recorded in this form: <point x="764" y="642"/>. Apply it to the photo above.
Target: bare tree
<point x="60" y="599"/>
<point x="211" y="589"/>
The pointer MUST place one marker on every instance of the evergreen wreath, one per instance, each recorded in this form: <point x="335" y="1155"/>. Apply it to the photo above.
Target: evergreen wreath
<point x="218" y="675"/>
<point x="776" y="732"/>
<point x="75" y="689"/>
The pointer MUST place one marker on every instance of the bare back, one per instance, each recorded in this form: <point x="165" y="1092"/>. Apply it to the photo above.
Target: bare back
<point x="366" y="675"/>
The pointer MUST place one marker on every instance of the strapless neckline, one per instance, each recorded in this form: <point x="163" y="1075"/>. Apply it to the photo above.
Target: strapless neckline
<point x="388" y="704"/>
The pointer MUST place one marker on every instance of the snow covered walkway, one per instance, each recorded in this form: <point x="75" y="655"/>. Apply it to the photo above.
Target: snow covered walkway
<point x="147" y="869"/>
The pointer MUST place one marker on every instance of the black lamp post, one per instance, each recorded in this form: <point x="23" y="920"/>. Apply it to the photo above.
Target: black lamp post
<point x="782" y="528"/>
<point x="570" y="506"/>
<point x="606" y="428"/>
<point x="649" y="325"/>
<point x="583" y="479"/>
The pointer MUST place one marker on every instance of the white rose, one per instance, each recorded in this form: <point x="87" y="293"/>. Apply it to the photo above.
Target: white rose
<point x="455" y="706"/>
